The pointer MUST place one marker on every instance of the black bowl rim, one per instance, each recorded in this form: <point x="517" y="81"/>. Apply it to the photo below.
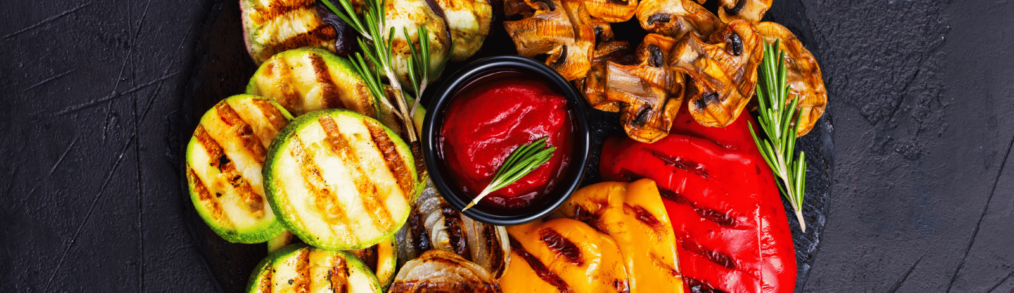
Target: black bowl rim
<point x="581" y="147"/>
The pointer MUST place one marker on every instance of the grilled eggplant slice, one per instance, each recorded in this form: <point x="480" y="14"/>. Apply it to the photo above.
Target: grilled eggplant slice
<point x="803" y="74"/>
<point x="299" y="268"/>
<point x="433" y="224"/>
<point x="340" y="180"/>
<point x="440" y="271"/>
<point x="310" y="79"/>
<point x="749" y="10"/>
<point x="676" y="18"/>
<point x="649" y="94"/>
<point x="224" y="160"/>
<point x="469" y="22"/>
<point x="273" y="26"/>
<point x="410" y="15"/>
<point x="635" y="217"/>
<point x="382" y="259"/>
<point x="721" y="74"/>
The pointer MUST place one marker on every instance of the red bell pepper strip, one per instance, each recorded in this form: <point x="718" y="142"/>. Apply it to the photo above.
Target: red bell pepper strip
<point x="731" y="228"/>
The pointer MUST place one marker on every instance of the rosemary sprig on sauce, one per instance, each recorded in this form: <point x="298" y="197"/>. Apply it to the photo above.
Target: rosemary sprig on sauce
<point x="522" y="161"/>
<point x="779" y="122"/>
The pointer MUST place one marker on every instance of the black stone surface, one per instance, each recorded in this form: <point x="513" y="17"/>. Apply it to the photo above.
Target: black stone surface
<point x="94" y="96"/>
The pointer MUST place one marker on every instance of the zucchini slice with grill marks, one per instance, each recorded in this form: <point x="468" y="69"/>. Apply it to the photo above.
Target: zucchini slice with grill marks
<point x="340" y="180"/>
<point x="300" y="268"/>
<point x="309" y="79"/>
<point x="272" y="26"/>
<point x="224" y="160"/>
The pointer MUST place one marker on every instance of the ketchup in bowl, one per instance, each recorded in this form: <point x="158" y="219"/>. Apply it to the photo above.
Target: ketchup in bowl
<point x="492" y="116"/>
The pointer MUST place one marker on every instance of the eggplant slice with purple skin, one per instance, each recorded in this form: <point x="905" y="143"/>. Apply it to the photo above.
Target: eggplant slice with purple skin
<point x="279" y="25"/>
<point x="803" y="74"/>
<point x="440" y="271"/>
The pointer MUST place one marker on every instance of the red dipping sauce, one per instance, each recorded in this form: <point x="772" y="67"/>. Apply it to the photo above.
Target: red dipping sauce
<point x="490" y="118"/>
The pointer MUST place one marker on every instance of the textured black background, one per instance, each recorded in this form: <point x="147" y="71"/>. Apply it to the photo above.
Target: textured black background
<point x="92" y="92"/>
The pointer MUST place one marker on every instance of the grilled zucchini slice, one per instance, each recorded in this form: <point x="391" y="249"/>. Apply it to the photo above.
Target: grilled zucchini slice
<point x="309" y="79"/>
<point x="300" y="268"/>
<point x="382" y="258"/>
<point x="272" y="26"/>
<point x="224" y="160"/>
<point x="340" y="180"/>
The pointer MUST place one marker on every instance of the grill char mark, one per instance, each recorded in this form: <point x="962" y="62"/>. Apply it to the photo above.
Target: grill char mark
<point x="368" y="193"/>
<point x="561" y="245"/>
<point x="243" y="130"/>
<point x="681" y="163"/>
<point x="330" y="92"/>
<point x="271" y="12"/>
<point x="272" y="114"/>
<point x="319" y="34"/>
<point x="393" y="160"/>
<point x="455" y="232"/>
<point x="698" y="286"/>
<point x="718" y="217"/>
<point x="498" y="266"/>
<point x="253" y="200"/>
<point x="540" y="269"/>
<point x="420" y="239"/>
<point x="338" y="275"/>
<point x="315" y="183"/>
<point x="205" y="196"/>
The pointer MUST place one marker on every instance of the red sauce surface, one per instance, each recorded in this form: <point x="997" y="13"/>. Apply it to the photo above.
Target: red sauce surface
<point x="492" y="117"/>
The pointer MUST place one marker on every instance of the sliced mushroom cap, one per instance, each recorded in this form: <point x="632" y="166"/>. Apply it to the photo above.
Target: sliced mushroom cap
<point x="611" y="10"/>
<point x="469" y="22"/>
<point x="749" y="10"/>
<point x="650" y="95"/>
<point x="721" y="73"/>
<point x="410" y="14"/>
<point x="441" y="271"/>
<point x="550" y="33"/>
<point x="675" y="18"/>
<point x="803" y="74"/>
<point x="594" y="85"/>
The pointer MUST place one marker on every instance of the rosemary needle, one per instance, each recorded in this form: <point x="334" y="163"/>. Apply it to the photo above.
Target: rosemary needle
<point x="522" y="161"/>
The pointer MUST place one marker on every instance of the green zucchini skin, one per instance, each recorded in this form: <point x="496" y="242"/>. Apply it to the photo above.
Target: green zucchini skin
<point x="283" y="24"/>
<point x="310" y="79"/>
<point x="264" y="229"/>
<point x="275" y="181"/>
<point x="276" y="270"/>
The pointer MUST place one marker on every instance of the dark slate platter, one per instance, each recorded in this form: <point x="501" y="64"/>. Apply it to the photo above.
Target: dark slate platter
<point x="222" y="68"/>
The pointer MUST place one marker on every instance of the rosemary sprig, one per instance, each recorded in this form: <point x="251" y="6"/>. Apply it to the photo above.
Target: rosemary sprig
<point x="522" y="161"/>
<point x="776" y="120"/>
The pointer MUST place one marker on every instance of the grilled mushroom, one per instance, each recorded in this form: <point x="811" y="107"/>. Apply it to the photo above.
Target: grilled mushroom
<point x="803" y="74"/>
<point x="649" y="93"/>
<point x="749" y="10"/>
<point x="593" y="86"/>
<point x="441" y="271"/>
<point x="469" y="22"/>
<point x="410" y="14"/>
<point x="675" y="18"/>
<point x="721" y="73"/>
<point x="551" y="34"/>
<point x="610" y="10"/>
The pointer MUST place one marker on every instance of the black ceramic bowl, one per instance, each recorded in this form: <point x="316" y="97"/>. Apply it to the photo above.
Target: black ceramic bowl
<point x="440" y="174"/>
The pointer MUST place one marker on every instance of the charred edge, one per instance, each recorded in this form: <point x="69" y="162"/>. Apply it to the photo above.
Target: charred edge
<point x="274" y="116"/>
<point x="659" y="17"/>
<point x="455" y="232"/>
<point x="329" y="91"/>
<point x="643" y="215"/>
<point x="562" y="59"/>
<point x="427" y="286"/>
<point x="277" y="9"/>
<point x="369" y="257"/>
<point x="584" y="215"/>
<point x="540" y="269"/>
<point x="367" y="188"/>
<point x="302" y="279"/>
<point x="642" y="116"/>
<point x="338" y="275"/>
<point x="319" y="34"/>
<point x="391" y="158"/>
<point x="735" y="43"/>
<point x="493" y="247"/>
<point x="714" y="256"/>
<point x="681" y="163"/>
<point x="656" y="60"/>
<point x="628" y="175"/>
<point x="698" y="286"/>
<point x="205" y="196"/>
<point x="549" y="4"/>
<point x="598" y="35"/>
<point x="705" y="99"/>
<point x="314" y="182"/>
<point x="621" y="285"/>
<point x="736" y="9"/>
<point x="720" y="218"/>
<point x="228" y="169"/>
<point x="620" y="2"/>
<point x="243" y="130"/>
<point x="561" y="245"/>
<point x="420" y="238"/>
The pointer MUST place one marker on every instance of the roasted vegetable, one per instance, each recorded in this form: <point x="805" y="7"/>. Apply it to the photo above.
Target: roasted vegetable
<point x="676" y="18"/>
<point x="634" y="216"/>
<point x="340" y="180"/>
<point x="593" y="86"/>
<point x="469" y="22"/>
<point x="549" y="32"/>
<point x="434" y="224"/>
<point x="721" y="74"/>
<point x="649" y="94"/>
<point x="281" y="240"/>
<point x="409" y="15"/>
<point x="725" y="209"/>
<point x="310" y="79"/>
<point x="299" y="268"/>
<point x="224" y="160"/>
<point x="566" y="256"/>
<point x="440" y="271"/>
<point x="382" y="259"/>
<point x="273" y="26"/>
<point x="610" y="10"/>
<point x="749" y="10"/>
<point x="803" y="74"/>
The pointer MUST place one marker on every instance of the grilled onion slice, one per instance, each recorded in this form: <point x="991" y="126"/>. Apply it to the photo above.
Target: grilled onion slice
<point x="721" y="74"/>
<point x="676" y="18"/>
<point x="440" y="271"/>
<point x="803" y="74"/>
<point x="299" y="268"/>
<point x="340" y="180"/>
<point x="224" y="160"/>
<point x="310" y="79"/>
<point x="273" y="26"/>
